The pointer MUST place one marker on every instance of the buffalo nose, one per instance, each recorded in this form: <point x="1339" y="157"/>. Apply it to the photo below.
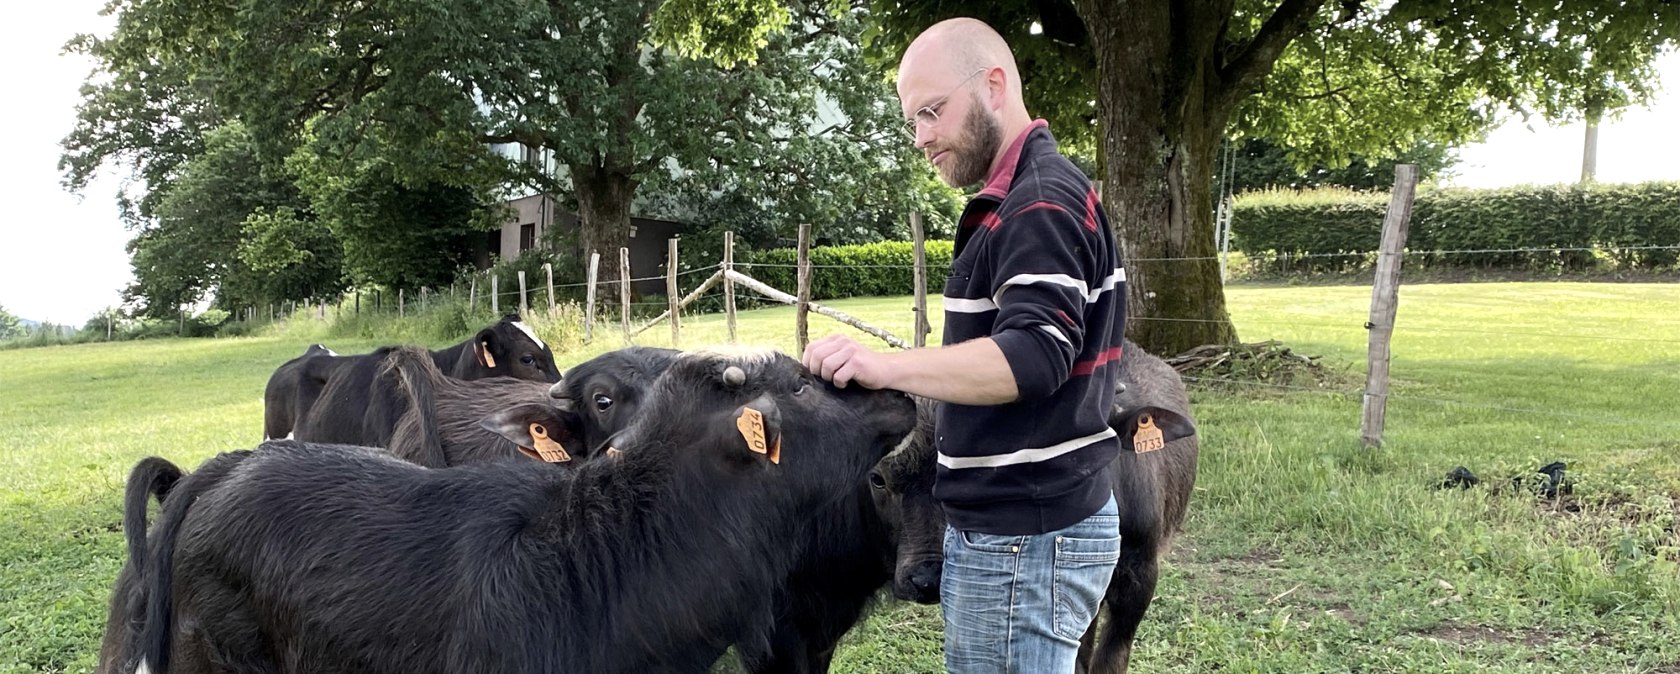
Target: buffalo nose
<point x="924" y="579"/>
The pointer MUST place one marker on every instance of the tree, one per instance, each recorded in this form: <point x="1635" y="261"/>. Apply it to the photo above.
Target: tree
<point x="1260" y="164"/>
<point x="191" y="248"/>
<point x="10" y="326"/>
<point x="138" y="110"/>
<point x="290" y="257"/>
<point x="1164" y="80"/>
<point x="422" y="86"/>
<point x="396" y="234"/>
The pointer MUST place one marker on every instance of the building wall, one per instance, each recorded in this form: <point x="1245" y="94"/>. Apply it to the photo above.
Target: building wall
<point x="647" y="238"/>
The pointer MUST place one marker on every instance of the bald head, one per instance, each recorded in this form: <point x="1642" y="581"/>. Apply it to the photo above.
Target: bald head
<point x="958" y="47"/>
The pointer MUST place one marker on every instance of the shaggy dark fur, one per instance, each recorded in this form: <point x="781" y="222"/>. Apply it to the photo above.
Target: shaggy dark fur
<point x="310" y="558"/>
<point x="1152" y="489"/>
<point x="449" y="422"/>
<point x="152" y="478"/>
<point x="324" y="398"/>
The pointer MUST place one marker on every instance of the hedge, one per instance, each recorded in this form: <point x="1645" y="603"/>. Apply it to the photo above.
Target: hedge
<point x="866" y="270"/>
<point x="1613" y="220"/>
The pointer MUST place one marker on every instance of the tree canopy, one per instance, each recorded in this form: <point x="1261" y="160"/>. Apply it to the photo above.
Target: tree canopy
<point x="419" y="93"/>
<point x="1153" y="87"/>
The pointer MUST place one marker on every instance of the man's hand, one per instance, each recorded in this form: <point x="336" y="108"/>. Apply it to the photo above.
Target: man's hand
<point x="840" y="359"/>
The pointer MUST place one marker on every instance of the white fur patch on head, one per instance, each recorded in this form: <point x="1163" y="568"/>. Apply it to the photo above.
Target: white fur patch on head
<point x="739" y="353"/>
<point x="530" y="333"/>
<point x="144" y="668"/>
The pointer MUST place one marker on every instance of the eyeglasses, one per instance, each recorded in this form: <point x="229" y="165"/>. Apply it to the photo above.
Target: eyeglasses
<point x="929" y="114"/>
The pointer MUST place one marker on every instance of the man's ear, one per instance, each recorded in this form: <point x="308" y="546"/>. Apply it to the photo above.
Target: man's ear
<point x="759" y="425"/>
<point x="542" y="432"/>
<point x="1146" y="429"/>
<point x="481" y="344"/>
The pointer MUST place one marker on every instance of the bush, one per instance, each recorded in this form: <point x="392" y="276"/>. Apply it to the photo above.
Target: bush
<point x="1342" y="228"/>
<point x="867" y="270"/>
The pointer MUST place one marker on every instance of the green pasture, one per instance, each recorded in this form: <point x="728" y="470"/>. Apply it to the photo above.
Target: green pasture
<point x="1303" y="553"/>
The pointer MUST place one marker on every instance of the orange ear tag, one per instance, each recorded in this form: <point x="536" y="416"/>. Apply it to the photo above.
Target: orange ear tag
<point x="547" y="449"/>
<point x="751" y="425"/>
<point x="1148" y="438"/>
<point x="489" y="360"/>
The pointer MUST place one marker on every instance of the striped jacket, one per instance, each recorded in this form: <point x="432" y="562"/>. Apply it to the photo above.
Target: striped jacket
<point x="1036" y="269"/>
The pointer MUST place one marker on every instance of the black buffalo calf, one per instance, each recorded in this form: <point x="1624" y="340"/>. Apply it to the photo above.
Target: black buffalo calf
<point x="323" y="397"/>
<point x="449" y="422"/>
<point x="311" y="558"/>
<point x="1152" y="487"/>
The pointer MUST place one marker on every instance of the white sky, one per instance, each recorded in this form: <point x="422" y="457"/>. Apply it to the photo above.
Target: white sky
<point x="62" y="258"/>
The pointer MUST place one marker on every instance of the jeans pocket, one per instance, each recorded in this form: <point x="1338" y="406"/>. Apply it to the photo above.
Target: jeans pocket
<point x="1083" y="568"/>
<point x="995" y="543"/>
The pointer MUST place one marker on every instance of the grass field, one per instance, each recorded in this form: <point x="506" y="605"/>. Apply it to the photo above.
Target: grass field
<point x="1302" y="552"/>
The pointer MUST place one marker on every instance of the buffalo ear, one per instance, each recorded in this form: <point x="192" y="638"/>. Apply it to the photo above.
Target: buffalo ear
<point x="1148" y="428"/>
<point x="482" y="345"/>
<point x="542" y="432"/>
<point x="759" y="425"/>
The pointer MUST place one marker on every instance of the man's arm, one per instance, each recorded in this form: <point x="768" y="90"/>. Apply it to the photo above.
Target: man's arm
<point x="971" y="373"/>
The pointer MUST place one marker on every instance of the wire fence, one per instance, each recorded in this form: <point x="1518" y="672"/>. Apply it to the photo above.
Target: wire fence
<point x="610" y="315"/>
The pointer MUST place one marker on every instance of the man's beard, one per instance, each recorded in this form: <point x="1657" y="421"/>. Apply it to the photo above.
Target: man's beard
<point x="971" y="158"/>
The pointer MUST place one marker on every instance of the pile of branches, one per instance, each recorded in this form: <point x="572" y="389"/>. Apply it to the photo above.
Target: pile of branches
<point x="1268" y="362"/>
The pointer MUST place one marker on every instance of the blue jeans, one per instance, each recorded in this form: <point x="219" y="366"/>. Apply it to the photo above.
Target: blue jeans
<point x="1019" y="604"/>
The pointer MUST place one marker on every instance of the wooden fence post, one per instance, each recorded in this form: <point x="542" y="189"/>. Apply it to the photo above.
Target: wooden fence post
<point x="1385" y="296"/>
<point x="589" y="296"/>
<point x="424" y="292"/>
<point x="378" y="301"/>
<point x="472" y="294"/>
<point x="548" y="268"/>
<point x="624" y="290"/>
<point x="524" y="306"/>
<point x="495" y="295"/>
<point x="671" y="298"/>
<point x="401" y="302"/>
<point x="728" y="283"/>
<point x="358" y="302"/>
<point x="920" y="332"/>
<point x="802" y="311"/>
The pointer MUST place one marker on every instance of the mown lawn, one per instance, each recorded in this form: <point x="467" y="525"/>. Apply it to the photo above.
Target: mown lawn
<point x="1303" y="553"/>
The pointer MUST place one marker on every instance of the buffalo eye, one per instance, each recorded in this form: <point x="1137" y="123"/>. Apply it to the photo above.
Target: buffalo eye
<point x="876" y="481"/>
<point x="528" y="359"/>
<point x="802" y="388"/>
<point x="602" y="402"/>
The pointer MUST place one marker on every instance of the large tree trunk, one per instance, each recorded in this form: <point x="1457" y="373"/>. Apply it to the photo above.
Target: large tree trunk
<point x="603" y="215"/>
<point x="1161" y="124"/>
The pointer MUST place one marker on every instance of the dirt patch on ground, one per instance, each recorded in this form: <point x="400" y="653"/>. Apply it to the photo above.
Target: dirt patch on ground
<point x="1341" y="611"/>
<point x="1468" y="634"/>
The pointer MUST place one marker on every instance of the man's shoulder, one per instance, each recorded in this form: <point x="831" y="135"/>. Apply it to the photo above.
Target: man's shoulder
<point x="1048" y="176"/>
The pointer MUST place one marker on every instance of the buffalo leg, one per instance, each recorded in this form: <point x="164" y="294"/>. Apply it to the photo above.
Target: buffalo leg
<point x="1129" y="594"/>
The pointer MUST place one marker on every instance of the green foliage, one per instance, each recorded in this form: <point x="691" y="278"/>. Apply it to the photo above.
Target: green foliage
<point x="866" y="270"/>
<point x="192" y="248"/>
<point x="291" y="257"/>
<point x="1259" y="164"/>
<point x="394" y="234"/>
<point x="1614" y="219"/>
<point x="10" y="326"/>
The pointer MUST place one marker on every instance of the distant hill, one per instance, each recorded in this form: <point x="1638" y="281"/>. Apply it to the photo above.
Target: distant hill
<point x="29" y="323"/>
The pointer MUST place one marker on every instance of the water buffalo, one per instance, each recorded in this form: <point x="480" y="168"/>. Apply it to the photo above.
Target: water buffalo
<point x="1152" y="489"/>
<point x="449" y="422"/>
<point x="303" y="558"/>
<point x="323" y="397"/>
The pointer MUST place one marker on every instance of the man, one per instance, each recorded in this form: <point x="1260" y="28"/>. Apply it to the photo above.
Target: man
<point x="1034" y="315"/>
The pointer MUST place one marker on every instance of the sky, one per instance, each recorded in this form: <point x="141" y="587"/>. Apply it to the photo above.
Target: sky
<point x="62" y="257"/>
